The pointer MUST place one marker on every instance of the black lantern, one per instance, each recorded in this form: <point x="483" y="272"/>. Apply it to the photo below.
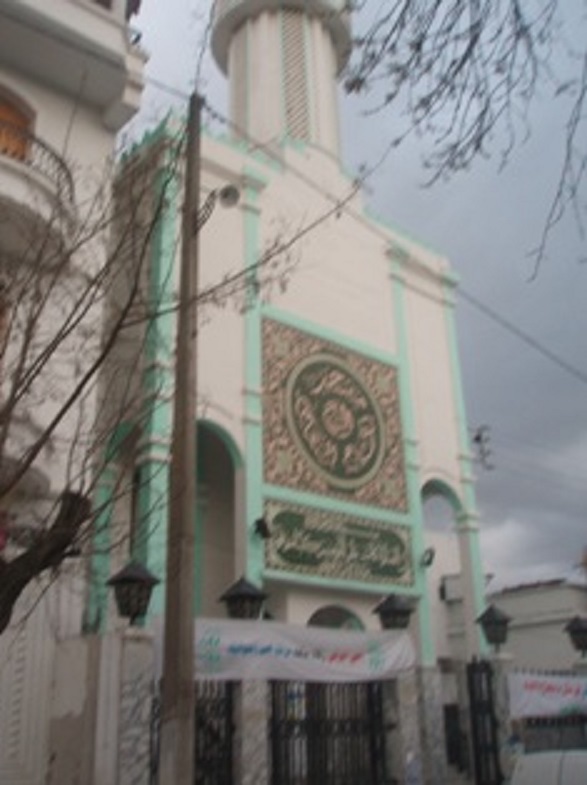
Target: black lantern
<point x="243" y="600"/>
<point x="495" y="626"/>
<point x="132" y="589"/>
<point x="577" y="632"/>
<point x="394" y="611"/>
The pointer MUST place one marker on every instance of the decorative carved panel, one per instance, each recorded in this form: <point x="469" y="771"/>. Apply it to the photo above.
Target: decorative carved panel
<point x="316" y="542"/>
<point x="331" y="420"/>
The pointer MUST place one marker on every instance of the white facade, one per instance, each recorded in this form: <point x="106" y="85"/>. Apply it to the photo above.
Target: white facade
<point x="70" y="77"/>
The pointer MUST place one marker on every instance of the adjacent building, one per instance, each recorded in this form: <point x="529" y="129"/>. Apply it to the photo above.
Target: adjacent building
<point x="70" y="77"/>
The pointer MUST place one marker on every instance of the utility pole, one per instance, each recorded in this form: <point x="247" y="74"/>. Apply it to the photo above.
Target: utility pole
<point x="176" y="762"/>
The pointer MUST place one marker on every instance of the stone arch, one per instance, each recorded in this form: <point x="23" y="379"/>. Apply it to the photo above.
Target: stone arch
<point x="218" y="503"/>
<point x="443" y="516"/>
<point x="335" y="617"/>
<point x="226" y="438"/>
<point x="437" y="487"/>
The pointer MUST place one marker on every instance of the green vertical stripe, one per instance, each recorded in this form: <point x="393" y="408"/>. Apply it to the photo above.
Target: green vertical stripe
<point x="97" y="604"/>
<point x="428" y="653"/>
<point x="158" y="383"/>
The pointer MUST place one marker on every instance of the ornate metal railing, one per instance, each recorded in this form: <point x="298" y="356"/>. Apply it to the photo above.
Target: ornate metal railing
<point x="23" y="146"/>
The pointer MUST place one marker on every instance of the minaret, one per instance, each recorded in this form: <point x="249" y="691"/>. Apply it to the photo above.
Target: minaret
<point x="282" y="58"/>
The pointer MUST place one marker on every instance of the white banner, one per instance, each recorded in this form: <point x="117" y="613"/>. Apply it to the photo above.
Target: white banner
<point x="229" y="649"/>
<point x="541" y="695"/>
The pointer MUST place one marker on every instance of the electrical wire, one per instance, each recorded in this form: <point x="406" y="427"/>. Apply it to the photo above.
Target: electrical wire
<point x="523" y="336"/>
<point x="471" y="299"/>
<point x="166" y="88"/>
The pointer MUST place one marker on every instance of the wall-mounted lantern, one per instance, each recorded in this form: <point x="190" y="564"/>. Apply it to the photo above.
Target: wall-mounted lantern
<point x="244" y="600"/>
<point x="576" y="629"/>
<point x="132" y="590"/>
<point x="494" y="623"/>
<point x="394" y="611"/>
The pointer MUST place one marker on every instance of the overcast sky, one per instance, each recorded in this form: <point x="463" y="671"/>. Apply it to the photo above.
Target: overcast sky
<point x="533" y="503"/>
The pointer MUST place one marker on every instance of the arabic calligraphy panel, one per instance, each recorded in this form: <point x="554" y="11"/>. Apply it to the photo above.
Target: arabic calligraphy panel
<point x="333" y="545"/>
<point x="331" y="420"/>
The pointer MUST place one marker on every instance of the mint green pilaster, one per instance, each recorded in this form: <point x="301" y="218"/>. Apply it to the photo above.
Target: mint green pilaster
<point x="427" y="648"/>
<point x="97" y="603"/>
<point x="158" y="379"/>
<point x="467" y="526"/>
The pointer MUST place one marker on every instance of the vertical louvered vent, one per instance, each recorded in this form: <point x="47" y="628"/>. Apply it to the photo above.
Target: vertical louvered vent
<point x="238" y="79"/>
<point x="294" y="63"/>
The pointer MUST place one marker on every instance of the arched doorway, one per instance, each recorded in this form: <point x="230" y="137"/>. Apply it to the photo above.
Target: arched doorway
<point x="335" y="617"/>
<point x="215" y="552"/>
<point x="328" y="732"/>
<point x="441" y="508"/>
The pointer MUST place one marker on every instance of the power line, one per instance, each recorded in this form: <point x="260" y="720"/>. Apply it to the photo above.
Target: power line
<point x="523" y="336"/>
<point x="166" y="88"/>
<point x="506" y="324"/>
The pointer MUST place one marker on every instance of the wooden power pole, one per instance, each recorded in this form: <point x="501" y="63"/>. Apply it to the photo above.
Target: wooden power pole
<point x="176" y="761"/>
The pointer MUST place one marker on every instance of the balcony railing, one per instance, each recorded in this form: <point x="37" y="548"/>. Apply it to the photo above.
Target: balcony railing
<point x="21" y="145"/>
<point x="130" y="6"/>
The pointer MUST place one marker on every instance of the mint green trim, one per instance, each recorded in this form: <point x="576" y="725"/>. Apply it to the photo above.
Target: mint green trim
<point x="116" y="442"/>
<point x="153" y="421"/>
<point x="470" y="505"/>
<point x="151" y="137"/>
<point x="97" y="602"/>
<point x="437" y="487"/>
<point x="427" y="648"/>
<point x="320" y="331"/>
<point x="358" y="587"/>
<point x="241" y="146"/>
<point x="289" y="495"/>
<point x="254" y="551"/>
<point x="157" y="388"/>
<point x="392" y="228"/>
<point x="298" y="145"/>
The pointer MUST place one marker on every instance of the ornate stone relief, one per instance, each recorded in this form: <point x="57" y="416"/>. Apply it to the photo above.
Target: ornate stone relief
<point x="331" y="420"/>
<point x="333" y="545"/>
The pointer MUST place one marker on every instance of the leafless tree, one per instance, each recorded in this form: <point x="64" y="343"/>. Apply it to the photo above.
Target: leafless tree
<point x="77" y="308"/>
<point x="465" y="74"/>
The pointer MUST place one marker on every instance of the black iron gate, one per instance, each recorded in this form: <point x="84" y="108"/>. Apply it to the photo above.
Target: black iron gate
<point x="484" y="731"/>
<point x="328" y="734"/>
<point x="214" y="734"/>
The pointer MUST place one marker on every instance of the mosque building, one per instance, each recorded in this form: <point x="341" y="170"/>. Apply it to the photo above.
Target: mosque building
<point x="329" y="398"/>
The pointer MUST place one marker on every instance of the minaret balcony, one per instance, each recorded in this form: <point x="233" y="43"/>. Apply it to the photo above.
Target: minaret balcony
<point x="36" y="188"/>
<point x="229" y="15"/>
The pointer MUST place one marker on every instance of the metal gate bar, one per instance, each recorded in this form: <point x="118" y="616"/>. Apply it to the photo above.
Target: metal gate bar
<point x="483" y="724"/>
<point x="214" y="733"/>
<point x="327" y="734"/>
<point x="213" y="744"/>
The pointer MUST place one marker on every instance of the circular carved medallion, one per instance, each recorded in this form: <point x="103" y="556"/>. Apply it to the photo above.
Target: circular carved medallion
<point x="335" y="421"/>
